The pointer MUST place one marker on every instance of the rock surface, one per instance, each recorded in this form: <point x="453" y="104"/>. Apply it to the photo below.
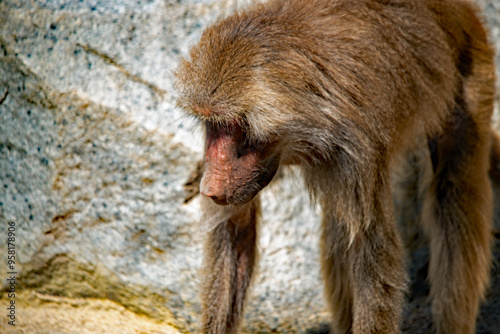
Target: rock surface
<point x="93" y="157"/>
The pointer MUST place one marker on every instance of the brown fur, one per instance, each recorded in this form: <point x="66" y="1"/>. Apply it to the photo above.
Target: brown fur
<point x="341" y="88"/>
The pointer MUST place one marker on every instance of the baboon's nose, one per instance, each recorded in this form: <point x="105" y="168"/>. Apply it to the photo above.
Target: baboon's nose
<point x="218" y="199"/>
<point x="213" y="187"/>
<point x="221" y="200"/>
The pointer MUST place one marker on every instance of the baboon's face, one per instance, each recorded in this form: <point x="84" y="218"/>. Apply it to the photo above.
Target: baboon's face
<point x="236" y="167"/>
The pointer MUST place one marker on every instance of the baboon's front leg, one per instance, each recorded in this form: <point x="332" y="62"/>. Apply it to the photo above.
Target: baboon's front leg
<point x="364" y="268"/>
<point x="230" y="256"/>
<point x="378" y="278"/>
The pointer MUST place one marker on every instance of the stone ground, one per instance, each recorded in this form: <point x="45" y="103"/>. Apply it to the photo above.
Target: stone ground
<point x="46" y="314"/>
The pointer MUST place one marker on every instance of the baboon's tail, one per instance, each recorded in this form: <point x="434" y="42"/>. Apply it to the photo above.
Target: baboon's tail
<point x="495" y="156"/>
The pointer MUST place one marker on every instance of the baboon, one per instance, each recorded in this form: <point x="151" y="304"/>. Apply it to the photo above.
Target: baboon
<point x="341" y="88"/>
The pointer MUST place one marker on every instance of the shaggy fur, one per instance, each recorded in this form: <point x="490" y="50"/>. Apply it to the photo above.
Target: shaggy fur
<point x="341" y="88"/>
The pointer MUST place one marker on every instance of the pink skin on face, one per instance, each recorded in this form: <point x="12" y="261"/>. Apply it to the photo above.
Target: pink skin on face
<point x="229" y="168"/>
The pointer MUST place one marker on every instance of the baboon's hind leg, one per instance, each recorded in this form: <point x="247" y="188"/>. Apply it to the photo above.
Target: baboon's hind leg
<point x="458" y="216"/>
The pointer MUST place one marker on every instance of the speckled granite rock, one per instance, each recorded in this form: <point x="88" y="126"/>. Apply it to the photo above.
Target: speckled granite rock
<point x="93" y="156"/>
